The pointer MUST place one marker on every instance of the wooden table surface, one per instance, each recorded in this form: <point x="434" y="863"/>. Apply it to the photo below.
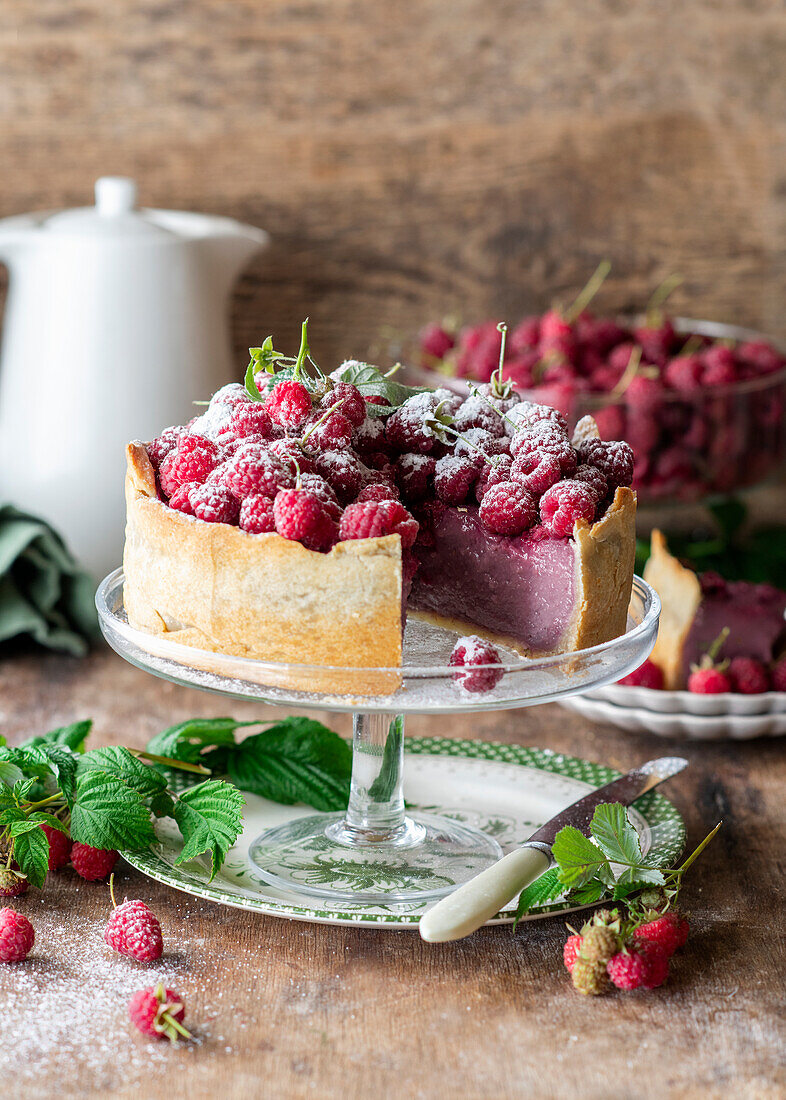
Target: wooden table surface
<point x="287" y="1009"/>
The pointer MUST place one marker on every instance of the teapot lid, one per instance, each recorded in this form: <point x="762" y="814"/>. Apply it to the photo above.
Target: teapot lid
<point x="114" y="214"/>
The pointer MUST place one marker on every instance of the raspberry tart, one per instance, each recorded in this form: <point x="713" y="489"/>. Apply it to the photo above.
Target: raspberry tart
<point x="302" y="516"/>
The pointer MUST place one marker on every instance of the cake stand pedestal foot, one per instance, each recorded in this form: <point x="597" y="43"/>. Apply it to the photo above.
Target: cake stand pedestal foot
<point x="376" y="852"/>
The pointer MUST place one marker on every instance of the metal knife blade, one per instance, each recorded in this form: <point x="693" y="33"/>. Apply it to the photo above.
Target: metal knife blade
<point x="626" y="789"/>
<point x="478" y="900"/>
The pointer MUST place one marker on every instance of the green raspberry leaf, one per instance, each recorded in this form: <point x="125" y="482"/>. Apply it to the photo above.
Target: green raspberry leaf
<point x="162" y="804"/>
<point x="118" y="761"/>
<point x="588" y="894"/>
<point x="637" y="878"/>
<point x="210" y="818"/>
<point x="372" y="382"/>
<point x="613" y="833"/>
<point x="41" y="818"/>
<point x="578" y="858"/>
<point x="188" y="740"/>
<point x="72" y="737"/>
<point x="297" y="760"/>
<point x="545" y="888"/>
<point x="108" y="814"/>
<point x="10" y="774"/>
<point x="62" y="763"/>
<point x="31" y="852"/>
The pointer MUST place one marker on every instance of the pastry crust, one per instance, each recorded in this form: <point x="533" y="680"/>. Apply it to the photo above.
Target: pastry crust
<point x="605" y="558"/>
<point x="680" y="593"/>
<point x="219" y="589"/>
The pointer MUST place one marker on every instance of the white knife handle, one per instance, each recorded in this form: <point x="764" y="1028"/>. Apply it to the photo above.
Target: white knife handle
<point x="482" y="897"/>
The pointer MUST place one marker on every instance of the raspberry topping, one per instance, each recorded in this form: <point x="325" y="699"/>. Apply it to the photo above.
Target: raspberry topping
<point x="372" y="519"/>
<point x="191" y="460"/>
<point x="613" y="459"/>
<point x="378" y="491"/>
<point x="289" y="403"/>
<point x="565" y="503"/>
<point x="256" y="514"/>
<point x="343" y="471"/>
<point x="250" y="419"/>
<point x="292" y="456"/>
<point x="469" y="653"/>
<point x="413" y="473"/>
<point x="508" y="508"/>
<point x="453" y="479"/>
<point x="476" y="413"/>
<point x="493" y="473"/>
<point x="406" y="429"/>
<point x="181" y="498"/>
<point x="526" y="414"/>
<point x="545" y="441"/>
<point x="213" y="504"/>
<point x="317" y="485"/>
<point x="160" y="447"/>
<point x="255" y="469"/>
<point x="300" y="516"/>
<point x="536" y="470"/>
<point x="333" y="433"/>
<point x="349" y="400"/>
<point x="593" y="479"/>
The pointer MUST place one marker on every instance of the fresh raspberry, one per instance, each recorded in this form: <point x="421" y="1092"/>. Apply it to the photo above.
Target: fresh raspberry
<point x="12" y="883"/>
<point x="378" y="491"/>
<point x="613" y="459"/>
<point x="492" y="473"/>
<point x="656" y="341"/>
<point x="477" y="444"/>
<point x="255" y="469"/>
<point x="599" y="944"/>
<point x="16" y="936"/>
<point x="191" y="460"/>
<point x="665" y="931"/>
<point x="657" y="964"/>
<point x="256" y="514"/>
<point x="413" y="475"/>
<point x="543" y="441"/>
<point x="599" y="333"/>
<point x="571" y="950"/>
<point x="158" y="1012"/>
<point x="629" y="968"/>
<point x="289" y="403"/>
<point x="435" y="341"/>
<point x="59" y="847"/>
<point x="556" y="336"/>
<point x="648" y="675"/>
<point x="349" y="400"/>
<point x="565" y="503"/>
<point x="475" y="654"/>
<point x="748" y="676"/>
<point x="372" y="519"/>
<point x="301" y="517"/>
<point x="526" y="335"/>
<point x="334" y="433"/>
<point x="92" y="863"/>
<point x="252" y="419"/>
<point x="537" y="471"/>
<point x="159" y="448"/>
<point x="527" y="414"/>
<point x="708" y="681"/>
<point x="719" y="366"/>
<point x="684" y="373"/>
<point x="610" y="421"/>
<point x="589" y="978"/>
<point x="507" y="508"/>
<point x="406" y="428"/>
<point x="317" y="485"/>
<point x="475" y="412"/>
<point x="521" y="369"/>
<point x="453" y="479"/>
<point x="593" y="479"/>
<point x="344" y="472"/>
<point x="181" y="498"/>
<point x="760" y="356"/>
<point x="234" y="393"/>
<point x="292" y="456"/>
<point x="212" y="504"/>
<point x="500" y="393"/>
<point x="134" y="930"/>
<point x="375" y="399"/>
<point x="778" y="675"/>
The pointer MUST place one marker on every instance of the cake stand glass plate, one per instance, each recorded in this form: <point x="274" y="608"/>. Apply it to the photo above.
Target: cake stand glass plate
<point x="387" y="854"/>
<point x="508" y="791"/>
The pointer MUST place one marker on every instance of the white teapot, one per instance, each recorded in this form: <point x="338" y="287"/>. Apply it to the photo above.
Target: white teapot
<point x="116" y="321"/>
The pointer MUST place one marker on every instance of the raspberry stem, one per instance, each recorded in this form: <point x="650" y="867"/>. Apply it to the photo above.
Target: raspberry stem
<point x="112" y="890"/>
<point x="590" y="289"/>
<point x="303" y="352"/>
<point x="654" y="312"/>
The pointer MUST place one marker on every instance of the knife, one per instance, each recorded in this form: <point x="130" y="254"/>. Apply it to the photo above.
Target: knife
<point x="478" y="900"/>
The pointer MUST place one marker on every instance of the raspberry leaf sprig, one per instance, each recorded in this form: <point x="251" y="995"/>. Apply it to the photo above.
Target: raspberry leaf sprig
<point x="608" y="864"/>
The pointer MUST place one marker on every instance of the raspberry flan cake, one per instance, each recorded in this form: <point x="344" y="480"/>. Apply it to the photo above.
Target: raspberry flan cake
<point x="302" y="516"/>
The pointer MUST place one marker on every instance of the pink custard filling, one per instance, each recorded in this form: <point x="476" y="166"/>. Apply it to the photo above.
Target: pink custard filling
<point x="521" y="587"/>
<point x="752" y="612"/>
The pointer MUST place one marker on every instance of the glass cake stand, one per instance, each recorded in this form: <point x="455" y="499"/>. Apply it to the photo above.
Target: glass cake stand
<point x="387" y="844"/>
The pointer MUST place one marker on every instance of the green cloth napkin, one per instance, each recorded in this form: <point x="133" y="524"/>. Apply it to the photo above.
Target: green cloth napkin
<point x="44" y="594"/>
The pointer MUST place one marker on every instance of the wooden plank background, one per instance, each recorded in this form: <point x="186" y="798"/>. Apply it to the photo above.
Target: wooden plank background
<point x="419" y="158"/>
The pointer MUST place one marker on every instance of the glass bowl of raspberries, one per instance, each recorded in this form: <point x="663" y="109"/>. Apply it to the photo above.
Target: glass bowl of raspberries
<point x="702" y="404"/>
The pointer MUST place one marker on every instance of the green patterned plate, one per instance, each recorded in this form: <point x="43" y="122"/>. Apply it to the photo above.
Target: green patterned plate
<point x="505" y="790"/>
